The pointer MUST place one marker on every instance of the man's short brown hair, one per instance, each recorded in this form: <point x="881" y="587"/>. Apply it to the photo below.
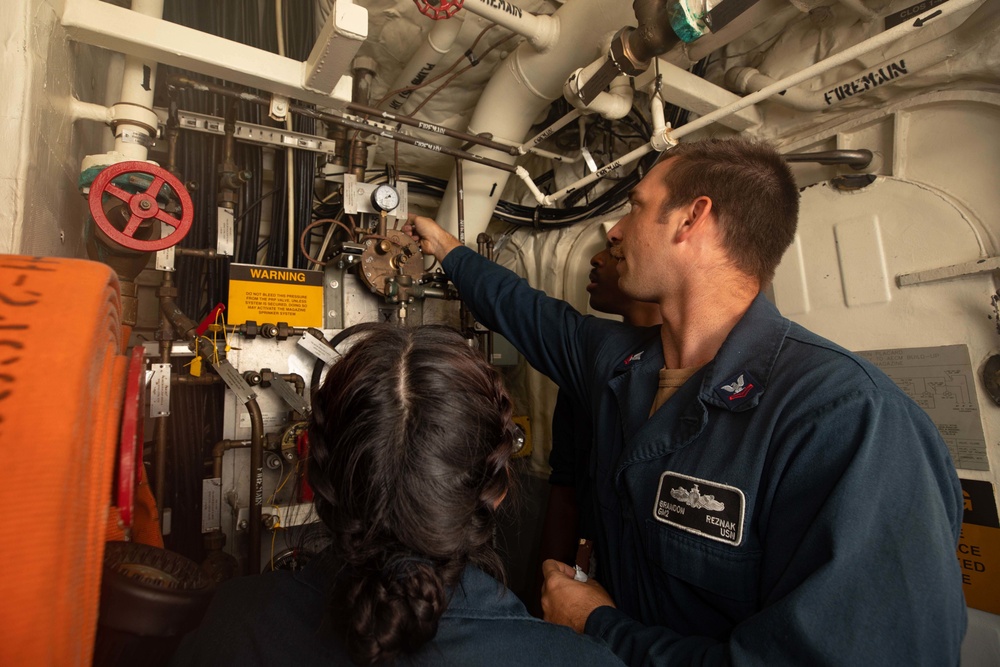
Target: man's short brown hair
<point x="753" y="193"/>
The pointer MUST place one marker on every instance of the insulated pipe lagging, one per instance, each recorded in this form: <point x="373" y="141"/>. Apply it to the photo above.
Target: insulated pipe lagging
<point x="955" y="42"/>
<point x="663" y="140"/>
<point x="440" y="38"/>
<point x="523" y="86"/>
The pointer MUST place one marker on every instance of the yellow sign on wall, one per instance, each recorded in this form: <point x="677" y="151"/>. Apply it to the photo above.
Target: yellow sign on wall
<point x="979" y="547"/>
<point x="271" y="294"/>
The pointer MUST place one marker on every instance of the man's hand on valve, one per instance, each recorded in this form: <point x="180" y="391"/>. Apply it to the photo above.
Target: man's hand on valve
<point x="433" y="239"/>
<point x="567" y="601"/>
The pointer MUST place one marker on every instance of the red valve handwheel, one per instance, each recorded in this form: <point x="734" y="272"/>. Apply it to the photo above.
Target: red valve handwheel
<point x="142" y="205"/>
<point x="130" y="450"/>
<point x="444" y="9"/>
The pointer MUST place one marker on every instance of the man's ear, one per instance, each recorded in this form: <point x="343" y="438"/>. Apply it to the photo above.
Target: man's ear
<point x="695" y="216"/>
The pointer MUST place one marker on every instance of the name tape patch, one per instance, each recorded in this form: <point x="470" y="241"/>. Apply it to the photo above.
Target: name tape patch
<point x="701" y="507"/>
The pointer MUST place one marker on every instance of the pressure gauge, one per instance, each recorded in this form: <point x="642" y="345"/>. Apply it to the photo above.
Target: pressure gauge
<point x="385" y="198"/>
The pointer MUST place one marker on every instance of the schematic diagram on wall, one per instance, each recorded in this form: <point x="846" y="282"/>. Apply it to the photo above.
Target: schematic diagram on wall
<point x="941" y="381"/>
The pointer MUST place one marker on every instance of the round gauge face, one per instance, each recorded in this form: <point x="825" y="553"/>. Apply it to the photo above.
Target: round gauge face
<point x="385" y="198"/>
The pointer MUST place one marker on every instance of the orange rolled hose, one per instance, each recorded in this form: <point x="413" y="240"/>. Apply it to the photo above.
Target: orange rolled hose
<point x="61" y="384"/>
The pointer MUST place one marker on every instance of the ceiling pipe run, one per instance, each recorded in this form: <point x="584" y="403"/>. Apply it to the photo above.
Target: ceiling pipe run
<point x="541" y="30"/>
<point x="523" y="86"/>
<point x="669" y="137"/>
<point x="439" y="40"/>
<point x="955" y="42"/>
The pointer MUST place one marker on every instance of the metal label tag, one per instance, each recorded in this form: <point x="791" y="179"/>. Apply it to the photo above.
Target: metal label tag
<point x="211" y="504"/>
<point x="159" y="390"/>
<point x="234" y="381"/>
<point x="318" y="348"/>
<point x="225" y="244"/>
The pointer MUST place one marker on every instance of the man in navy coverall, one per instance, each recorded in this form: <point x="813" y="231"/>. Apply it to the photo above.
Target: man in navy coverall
<point x="762" y="495"/>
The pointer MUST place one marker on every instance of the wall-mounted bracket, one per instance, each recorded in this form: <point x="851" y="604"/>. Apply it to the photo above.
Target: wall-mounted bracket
<point x="978" y="266"/>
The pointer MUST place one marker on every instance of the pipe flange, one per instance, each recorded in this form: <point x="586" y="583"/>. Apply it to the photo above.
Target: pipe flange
<point x="622" y="57"/>
<point x="125" y="113"/>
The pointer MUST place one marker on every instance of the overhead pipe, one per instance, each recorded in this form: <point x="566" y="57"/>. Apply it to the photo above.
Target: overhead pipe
<point x="855" y="159"/>
<point x="440" y="38"/>
<point x="668" y="137"/>
<point x="522" y="87"/>
<point x="613" y="104"/>
<point x="541" y="30"/>
<point x="361" y="124"/>
<point x="662" y="25"/>
<point x="400" y="119"/>
<point x="955" y="42"/>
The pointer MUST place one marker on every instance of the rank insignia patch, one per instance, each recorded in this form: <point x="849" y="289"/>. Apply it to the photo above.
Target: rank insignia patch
<point x="701" y="507"/>
<point x="738" y="388"/>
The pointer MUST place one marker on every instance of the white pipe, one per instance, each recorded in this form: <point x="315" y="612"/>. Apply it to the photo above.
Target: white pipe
<point x="689" y="91"/>
<point x="612" y="104"/>
<point x="523" y="86"/>
<point x="886" y="37"/>
<point x="530" y="144"/>
<point x="669" y="137"/>
<point x="656" y="113"/>
<point x="955" y="42"/>
<point x="86" y="111"/>
<point x="541" y="30"/>
<point x="289" y="156"/>
<point x="440" y="38"/>
<point x="135" y="122"/>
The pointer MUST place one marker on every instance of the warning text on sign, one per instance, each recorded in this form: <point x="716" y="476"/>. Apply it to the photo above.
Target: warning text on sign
<point x="268" y="294"/>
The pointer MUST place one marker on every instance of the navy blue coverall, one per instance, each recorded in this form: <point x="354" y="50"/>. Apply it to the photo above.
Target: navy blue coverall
<point x="789" y="505"/>
<point x="279" y="619"/>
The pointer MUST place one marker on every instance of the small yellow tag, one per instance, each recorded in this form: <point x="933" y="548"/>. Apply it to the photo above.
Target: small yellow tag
<point x="196" y="367"/>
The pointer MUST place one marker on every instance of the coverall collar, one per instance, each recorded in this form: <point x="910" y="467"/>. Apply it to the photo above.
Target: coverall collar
<point x="734" y="380"/>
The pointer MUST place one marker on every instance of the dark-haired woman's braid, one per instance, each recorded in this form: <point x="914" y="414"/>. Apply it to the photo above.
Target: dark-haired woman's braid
<point x="408" y="463"/>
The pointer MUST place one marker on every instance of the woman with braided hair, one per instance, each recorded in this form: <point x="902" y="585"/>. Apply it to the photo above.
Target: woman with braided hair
<point x="410" y="441"/>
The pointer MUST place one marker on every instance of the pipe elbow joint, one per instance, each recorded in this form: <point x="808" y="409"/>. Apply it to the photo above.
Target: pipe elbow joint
<point x="663" y="141"/>
<point x="546" y="33"/>
<point x="738" y="79"/>
<point x="612" y="105"/>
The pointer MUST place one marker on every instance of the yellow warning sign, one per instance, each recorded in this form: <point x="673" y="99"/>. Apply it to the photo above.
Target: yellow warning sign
<point x="271" y="294"/>
<point x="979" y="547"/>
